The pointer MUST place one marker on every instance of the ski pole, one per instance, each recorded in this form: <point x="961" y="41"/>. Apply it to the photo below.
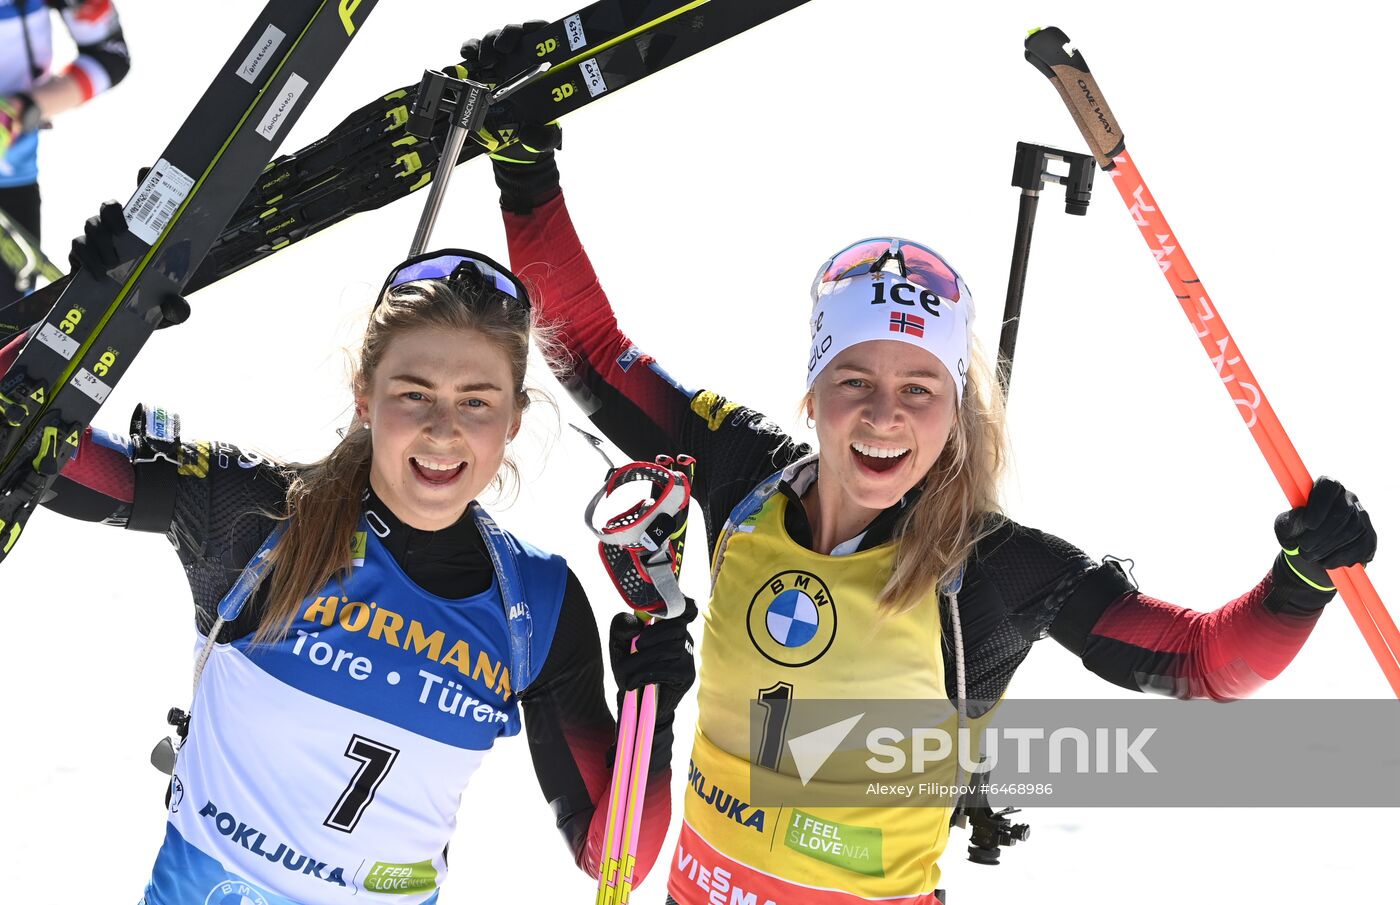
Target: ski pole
<point x="1046" y="50"/>
<point x="1031" y="172"/>
<point x="631" y="767"/>
<point x="641" y="549"/>
<point x="468" y="102"/>
<point x="21" y="253"/>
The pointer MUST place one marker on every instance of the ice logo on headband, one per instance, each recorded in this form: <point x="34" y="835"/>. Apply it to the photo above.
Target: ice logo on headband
<point x="890" y="306"/>
<point x="906" y="293"/>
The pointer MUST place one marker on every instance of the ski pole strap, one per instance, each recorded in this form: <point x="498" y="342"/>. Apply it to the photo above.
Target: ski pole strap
<point x="1045" y="49"/>
<point x="661" y="570"/>
<point x="649" y="522"/>
<point x="641" y="547"/>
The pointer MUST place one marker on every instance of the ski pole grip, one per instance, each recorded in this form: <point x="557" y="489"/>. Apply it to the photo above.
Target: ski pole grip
<point x="1045" y="50"/>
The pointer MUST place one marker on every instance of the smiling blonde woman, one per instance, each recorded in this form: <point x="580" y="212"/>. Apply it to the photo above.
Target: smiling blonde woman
<point x="878" y="565"/>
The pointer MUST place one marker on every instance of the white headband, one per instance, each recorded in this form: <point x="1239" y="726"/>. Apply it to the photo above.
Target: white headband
<point x="885" y="305"/>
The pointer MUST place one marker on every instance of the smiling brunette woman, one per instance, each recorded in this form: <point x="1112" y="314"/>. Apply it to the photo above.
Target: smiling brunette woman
<point x="384" y="632"/>
<point x="879" y="565"/>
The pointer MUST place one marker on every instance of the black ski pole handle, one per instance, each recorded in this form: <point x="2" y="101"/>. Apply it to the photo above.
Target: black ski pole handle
<point x="1046" y="51"/>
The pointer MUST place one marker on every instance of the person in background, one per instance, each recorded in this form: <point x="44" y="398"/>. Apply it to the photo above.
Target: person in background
<point x="31" y="94"/>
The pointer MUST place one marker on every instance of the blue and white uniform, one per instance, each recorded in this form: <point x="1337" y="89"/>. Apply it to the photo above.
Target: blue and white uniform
<point x="26" y="55"/>
<point x="329" y="766"/>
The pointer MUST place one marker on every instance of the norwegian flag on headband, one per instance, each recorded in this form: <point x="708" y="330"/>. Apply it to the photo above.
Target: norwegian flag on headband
<point x="912" y="324"/>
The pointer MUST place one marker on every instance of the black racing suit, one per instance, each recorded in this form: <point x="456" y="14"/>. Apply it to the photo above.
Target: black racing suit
<point x="1020" y="584"/>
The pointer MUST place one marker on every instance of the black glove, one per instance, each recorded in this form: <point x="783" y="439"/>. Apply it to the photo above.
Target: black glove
<point x="522" y="154"/>
<point x="665" y="656"/>
<point x="96" y="249"/>
<point x="1331" y="531"/>
<point x="480" y="55"/>
<point x="96" y="252"/>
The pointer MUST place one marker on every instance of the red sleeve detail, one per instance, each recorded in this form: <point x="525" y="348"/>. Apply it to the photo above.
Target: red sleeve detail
<point x="626" y="394"/>
<point x="9" y="353"/>
<point x="547" y="254"/>
<point x="102" y="469"/>
<point x="81" y="79"/>
<point x="589" y="751"/>
<point x="656" y="818"/>
<point x="1223" y="654"/>
<point x="93" y="10"/>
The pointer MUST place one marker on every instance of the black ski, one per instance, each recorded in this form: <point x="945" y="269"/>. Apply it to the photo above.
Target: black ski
<point x="101" y="320"/>
<point x="371" y="159"/>
<point x="20" y="315"/>
<point x="364" y="133"/>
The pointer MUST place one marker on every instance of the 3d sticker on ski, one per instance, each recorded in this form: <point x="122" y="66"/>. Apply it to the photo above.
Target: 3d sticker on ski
<point x="1049" y="50"/>
<point x="100" y="321"/>
<point x="370" y="159"/>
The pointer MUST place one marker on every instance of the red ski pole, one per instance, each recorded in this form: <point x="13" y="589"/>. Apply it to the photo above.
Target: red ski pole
<point x="1046" y="50"/>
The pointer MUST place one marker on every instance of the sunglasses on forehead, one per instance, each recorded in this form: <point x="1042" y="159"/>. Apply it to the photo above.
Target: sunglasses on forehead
<point x="918" y="263"/>
<point x="446" y="263"/>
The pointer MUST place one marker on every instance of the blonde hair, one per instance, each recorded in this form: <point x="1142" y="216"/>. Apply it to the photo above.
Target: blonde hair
<point x="324" y="498"/>
<point x="960" y="493"/>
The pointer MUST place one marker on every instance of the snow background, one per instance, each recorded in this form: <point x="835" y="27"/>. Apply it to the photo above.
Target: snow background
<point x="706" y="197"/>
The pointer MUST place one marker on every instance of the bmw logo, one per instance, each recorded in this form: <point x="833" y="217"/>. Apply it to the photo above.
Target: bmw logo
<point x="235" y="892"/>
<point x="792" y="618"/>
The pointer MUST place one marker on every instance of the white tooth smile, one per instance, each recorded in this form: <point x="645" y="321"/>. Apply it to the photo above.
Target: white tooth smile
<point x="435" y="466"/>
<point x="878" y="452"/>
